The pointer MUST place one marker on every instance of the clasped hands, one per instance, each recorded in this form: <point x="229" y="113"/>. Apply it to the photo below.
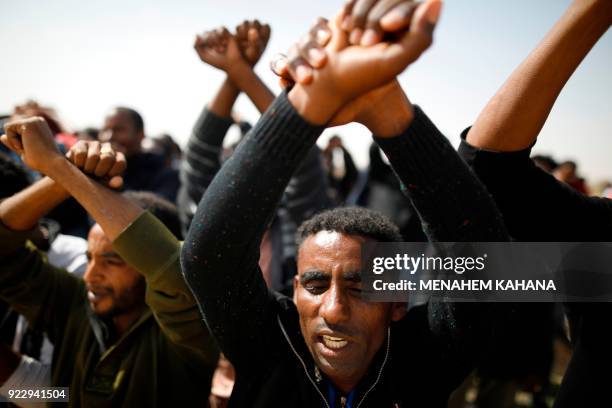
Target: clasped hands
<point x="345" y="70"/>
<point x="233" y="52"/>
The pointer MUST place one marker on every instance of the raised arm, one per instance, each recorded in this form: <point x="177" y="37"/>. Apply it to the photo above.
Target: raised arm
<point x="203" y="153"/>
<point x="534" y="204"/>
<point x="33" y="140"/>
<point x="22" y="211"/>
<point x="252" y="38"/>
<point x="514" y="117"/>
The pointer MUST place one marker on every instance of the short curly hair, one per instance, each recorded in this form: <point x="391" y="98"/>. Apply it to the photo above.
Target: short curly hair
<point x="351" y="221"/>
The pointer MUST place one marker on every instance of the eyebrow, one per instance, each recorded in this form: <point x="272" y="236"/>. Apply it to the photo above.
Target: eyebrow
<point x="110" y="254"/>
<point x="354" y="277"/>
<point x="317" y="275"/>
<point x="314" y="275"/>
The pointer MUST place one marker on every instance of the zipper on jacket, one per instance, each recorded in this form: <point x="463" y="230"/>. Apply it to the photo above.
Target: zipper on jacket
<point x="301" y="361"/>
<point x="382" y="367"/>
<point x="343" y="399"/>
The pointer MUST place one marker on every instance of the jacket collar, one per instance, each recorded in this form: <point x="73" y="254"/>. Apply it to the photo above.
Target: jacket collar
<point x="103" y="333"/>
<point x="288" y="322"/>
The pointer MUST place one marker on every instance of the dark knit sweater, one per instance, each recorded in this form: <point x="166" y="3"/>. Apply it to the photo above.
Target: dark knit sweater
<point x="537" y="207"/>
<point x="427" y="354"/>
<point x="305" y="195"/>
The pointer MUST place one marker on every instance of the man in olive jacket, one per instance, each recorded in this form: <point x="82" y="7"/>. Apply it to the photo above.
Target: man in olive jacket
<point x="128" y="334"/>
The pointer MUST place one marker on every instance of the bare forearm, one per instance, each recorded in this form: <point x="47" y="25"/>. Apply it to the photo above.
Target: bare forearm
<point x="249" y="82"/>
<point x="111" y="210"/>
<point x="224" y="100"/>
<point x="23" y="210"/>
<point x="515" y="116"/>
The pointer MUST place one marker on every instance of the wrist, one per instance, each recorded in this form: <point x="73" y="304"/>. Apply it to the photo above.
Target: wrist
<point x="230" y="86"/>
<point x="238" y="72"/>
<point x="313" y="104"/>
<point x="391" y="116"/>
<point x="53" y="165"/>
<point x="55" y="188"/>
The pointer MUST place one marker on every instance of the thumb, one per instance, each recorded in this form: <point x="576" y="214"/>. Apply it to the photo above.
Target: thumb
<point x="426" y="17"/>
<point x="339" y="37"/>
<point x="115" y="182"/>
<point x="418" y="38"/>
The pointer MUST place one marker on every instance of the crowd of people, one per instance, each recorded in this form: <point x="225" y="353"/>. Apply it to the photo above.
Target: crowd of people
<point x="139" y="274"/>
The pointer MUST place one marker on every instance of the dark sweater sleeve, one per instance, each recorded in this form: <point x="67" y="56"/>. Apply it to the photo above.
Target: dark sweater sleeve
<point x="201" y="163"/>
<point x="453" y="206"/>
<point x="536" y="206"/>
<point x="305" y="195"/>
<point x="220" y="255"/>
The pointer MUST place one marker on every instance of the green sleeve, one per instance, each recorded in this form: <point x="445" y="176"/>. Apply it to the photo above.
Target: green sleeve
<point x="148" y="246"/>
<point x="45" y="295"/>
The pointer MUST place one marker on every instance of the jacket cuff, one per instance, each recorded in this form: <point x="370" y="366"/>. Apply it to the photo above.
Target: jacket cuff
<point x="471" y="154"/>
<point x="147" y="245"/>
<point x="417" y="152"/>
<point x="283" y="133"/>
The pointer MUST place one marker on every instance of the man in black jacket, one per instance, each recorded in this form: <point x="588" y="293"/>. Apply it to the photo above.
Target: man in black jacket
<point x="537" y="207"/>
<point x="124" y="129"/>
<point x="330" y="347"/>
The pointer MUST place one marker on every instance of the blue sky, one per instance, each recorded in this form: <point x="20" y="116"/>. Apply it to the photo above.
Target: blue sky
<point x="85" y="57"/>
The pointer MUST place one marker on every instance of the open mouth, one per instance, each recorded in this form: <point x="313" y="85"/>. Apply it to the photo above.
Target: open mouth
<point x="334" y="343"/>
<point x="94" y="294"/>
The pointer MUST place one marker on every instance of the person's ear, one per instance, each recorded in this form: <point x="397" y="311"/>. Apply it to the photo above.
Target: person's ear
<point x="398" y="311"/>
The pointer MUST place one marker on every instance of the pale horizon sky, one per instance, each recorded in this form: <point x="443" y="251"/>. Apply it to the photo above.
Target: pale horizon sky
<point x="82" y="58"/>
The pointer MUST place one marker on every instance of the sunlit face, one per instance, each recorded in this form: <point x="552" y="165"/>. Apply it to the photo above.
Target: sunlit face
<point x="113" y="287"/>
<point x="342" y="331"/>
<point x="120" y="131"/>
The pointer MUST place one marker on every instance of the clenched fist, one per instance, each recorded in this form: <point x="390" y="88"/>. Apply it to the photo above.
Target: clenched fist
<point x="32" y="139"/>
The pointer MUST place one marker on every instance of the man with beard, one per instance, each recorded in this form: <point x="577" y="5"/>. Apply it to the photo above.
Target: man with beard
<point x="130" y="333"/>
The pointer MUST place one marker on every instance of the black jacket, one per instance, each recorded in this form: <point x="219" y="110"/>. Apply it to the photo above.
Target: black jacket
<point x="537" y="207"/>
<point x="428" y="353"/>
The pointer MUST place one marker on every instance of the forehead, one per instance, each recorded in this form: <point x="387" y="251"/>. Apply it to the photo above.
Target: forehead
<point x="116" y="118"/>
<point x="97" y="241"/>
<point x="328" y="250"/>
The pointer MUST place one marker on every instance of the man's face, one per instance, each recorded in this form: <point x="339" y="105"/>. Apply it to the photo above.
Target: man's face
<point x="342" y="331"/>
<point x="119" y="130"/>
<point x="113" y="287"/>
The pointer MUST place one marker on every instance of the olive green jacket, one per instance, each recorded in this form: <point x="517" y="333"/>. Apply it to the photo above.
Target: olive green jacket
<point x="166" y="358"/>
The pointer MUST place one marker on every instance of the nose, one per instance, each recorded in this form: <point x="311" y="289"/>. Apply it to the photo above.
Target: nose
<point x="92" y="274"/>
<point x="335" y="308"/>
